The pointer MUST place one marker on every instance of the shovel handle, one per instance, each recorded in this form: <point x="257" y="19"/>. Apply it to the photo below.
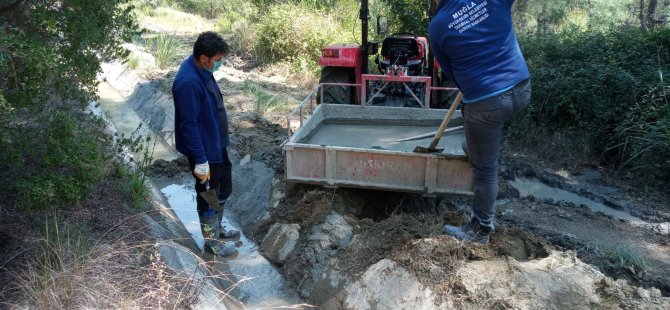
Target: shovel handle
<point x="445" y="122"/>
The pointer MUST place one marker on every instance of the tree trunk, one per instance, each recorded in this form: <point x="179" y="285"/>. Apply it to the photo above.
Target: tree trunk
<point x="651" y="14"/>
<point x="6" y="7"/>
<point x="643" y="20"/>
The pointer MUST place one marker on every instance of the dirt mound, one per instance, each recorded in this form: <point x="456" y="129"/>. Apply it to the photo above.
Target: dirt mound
<point x="258" y="138"/>
<point x="169" y="169"/>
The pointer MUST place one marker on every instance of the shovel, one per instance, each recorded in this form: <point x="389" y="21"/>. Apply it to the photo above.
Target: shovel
<point x="428" y="134"/>
<point x="210" y="196"/>
<point x="440" y="131"/>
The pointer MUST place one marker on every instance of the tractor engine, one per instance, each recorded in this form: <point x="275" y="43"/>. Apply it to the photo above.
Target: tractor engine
<point x="401" y="55"/>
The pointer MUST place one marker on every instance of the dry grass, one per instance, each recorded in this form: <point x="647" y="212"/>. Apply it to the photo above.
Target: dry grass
<point x="65" y="270"/>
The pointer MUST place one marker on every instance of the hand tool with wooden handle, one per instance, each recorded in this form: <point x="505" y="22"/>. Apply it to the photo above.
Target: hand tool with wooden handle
<point x="443" y="126"/>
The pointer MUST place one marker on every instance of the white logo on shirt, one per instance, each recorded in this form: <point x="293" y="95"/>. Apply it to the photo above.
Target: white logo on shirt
<point x="469" y="16"/>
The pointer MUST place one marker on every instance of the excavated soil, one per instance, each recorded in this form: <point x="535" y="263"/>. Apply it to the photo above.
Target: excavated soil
<point x="343" y="232"/>
<point x="406" y="228"/>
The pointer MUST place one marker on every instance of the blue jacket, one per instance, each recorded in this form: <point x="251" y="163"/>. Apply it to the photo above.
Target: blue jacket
<point x="474" y="42"/>
<point x="201" y="129"/>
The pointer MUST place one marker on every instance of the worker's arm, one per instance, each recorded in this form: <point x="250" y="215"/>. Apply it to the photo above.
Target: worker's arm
<point x="187" y="103"/>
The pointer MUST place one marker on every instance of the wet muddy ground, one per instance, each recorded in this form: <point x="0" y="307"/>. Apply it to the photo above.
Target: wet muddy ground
<point x="548" y="218"/>
<point x="620" y="233"/>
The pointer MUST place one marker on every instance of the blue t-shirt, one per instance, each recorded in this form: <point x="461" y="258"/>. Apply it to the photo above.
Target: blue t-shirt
<point x="474" y="42"/>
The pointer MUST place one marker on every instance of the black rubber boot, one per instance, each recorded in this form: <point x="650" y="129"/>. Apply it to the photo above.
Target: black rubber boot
<point x="210" y="223"/>
<point x="220" y="248"/>
<point x="473" y="231"/>
<point x="228" y="233"/>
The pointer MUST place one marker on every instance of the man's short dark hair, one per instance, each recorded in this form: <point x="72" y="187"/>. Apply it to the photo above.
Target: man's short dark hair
<point x="209" y="44"/>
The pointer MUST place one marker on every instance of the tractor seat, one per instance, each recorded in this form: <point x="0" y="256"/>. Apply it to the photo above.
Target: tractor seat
<point x="400" y="47"/>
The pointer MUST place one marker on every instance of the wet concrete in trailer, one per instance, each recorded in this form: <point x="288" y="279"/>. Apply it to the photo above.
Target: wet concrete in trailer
<point x="383" y="137"/>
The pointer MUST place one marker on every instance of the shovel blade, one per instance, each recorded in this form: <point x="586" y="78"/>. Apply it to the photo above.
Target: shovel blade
<point x="421" y="149"/>
<point x="211" y="198"/>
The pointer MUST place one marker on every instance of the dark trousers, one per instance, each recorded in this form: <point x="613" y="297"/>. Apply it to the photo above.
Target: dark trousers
<point x="484" y="122"/>
<point x="221" y="179"/>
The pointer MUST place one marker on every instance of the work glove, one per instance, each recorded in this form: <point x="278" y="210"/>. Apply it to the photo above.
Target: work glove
<point x="201" y="171"/>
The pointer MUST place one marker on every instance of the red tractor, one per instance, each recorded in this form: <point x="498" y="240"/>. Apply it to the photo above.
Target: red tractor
<point x="408" y="75"/>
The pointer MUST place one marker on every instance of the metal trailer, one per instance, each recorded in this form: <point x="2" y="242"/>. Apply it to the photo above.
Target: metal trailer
<point x="357" y="146"/>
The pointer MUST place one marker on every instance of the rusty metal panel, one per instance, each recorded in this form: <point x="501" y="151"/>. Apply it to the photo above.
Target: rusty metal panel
<point x="454" y="175"/>
<point x="306" y="163"/>
<point x="374" y="168"/>
<point x="392" y="170"/>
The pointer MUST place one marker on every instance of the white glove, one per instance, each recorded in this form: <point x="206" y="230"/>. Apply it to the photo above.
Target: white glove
<point x="201" y="171"/>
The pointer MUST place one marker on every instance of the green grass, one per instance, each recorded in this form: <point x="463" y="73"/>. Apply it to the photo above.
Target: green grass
<point x="164" y="47"/>
<point x="134" y="186"/>
<point x="135" y="172"/>
<point x="628" y="259"/>
<point x="133" y="61"/>
<point x="265" y="101"/>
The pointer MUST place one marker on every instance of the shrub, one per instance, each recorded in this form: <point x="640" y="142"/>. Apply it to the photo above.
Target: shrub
<point x="236" y="11"/>
<point x="407" y="16"/>
<point x="597" y="85"/>
<point x="53" y="162"/>
<point x="643" y="139"/>
<point x="54" y="51"/>
<point x="287" y="31"/>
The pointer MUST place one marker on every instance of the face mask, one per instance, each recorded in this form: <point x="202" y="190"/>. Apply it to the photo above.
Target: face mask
<point x="217" y="65"/>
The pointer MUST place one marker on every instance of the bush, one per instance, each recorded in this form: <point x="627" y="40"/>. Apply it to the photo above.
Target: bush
<point x="644" y="138"/>
<point x="50" y="55"/>
<point x="54" y="51"/>
<point x="53" y="162"/>
<point x="288" y="31"/>
<point x="597" y="85"/>
<point x="407" y="16"/>
<point x="238" y="11"/>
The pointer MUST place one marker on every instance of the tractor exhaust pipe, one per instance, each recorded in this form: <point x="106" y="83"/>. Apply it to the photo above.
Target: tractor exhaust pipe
<point x="365" y="17"/>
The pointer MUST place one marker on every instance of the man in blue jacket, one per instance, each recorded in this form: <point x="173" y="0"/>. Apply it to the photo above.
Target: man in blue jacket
<point x="474" y="42"/>
<point x="201" y="134"/>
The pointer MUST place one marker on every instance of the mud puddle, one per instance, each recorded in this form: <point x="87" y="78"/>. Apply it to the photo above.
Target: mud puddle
<point x="259" y="281"/>
<point x="535" y="188"/>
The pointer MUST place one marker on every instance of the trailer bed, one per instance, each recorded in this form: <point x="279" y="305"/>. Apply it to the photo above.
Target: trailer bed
<point x="357" y="146"/>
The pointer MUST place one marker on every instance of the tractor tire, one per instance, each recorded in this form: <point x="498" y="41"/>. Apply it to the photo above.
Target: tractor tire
<point x="336" y="94"/>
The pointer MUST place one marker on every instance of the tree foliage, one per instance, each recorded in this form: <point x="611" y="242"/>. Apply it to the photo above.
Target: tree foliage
<point x="54" y="49"/>
<point x="606" y="88"/>
<point x="50" y="53"/>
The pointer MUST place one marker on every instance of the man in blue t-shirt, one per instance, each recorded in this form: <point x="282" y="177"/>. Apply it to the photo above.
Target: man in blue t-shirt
<point x="474" y="43"/>
<point x="201" y="134"/>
